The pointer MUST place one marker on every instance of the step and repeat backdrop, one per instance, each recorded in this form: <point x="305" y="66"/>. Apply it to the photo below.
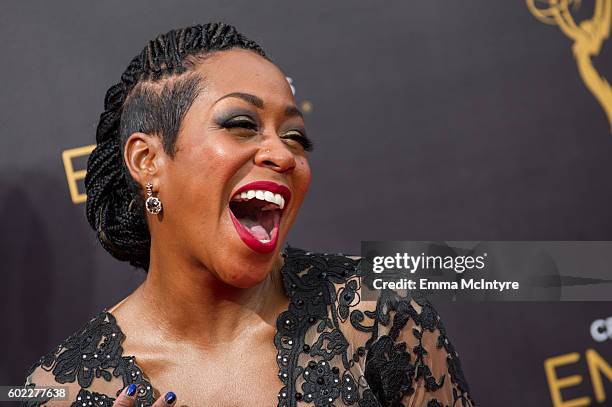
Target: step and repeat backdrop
<point x="432" y="120"/>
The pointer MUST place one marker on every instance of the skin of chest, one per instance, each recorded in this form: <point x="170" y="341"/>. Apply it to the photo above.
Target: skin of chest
<point x="241" y="372"/>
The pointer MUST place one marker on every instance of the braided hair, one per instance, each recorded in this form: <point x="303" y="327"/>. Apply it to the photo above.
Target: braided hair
<point x="152" y="97"/>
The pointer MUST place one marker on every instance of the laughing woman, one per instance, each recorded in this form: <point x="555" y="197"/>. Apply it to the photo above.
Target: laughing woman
<point x="200" y="168"/>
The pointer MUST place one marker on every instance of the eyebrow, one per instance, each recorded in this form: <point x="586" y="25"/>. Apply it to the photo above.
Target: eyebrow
<point x="258" y="102"/>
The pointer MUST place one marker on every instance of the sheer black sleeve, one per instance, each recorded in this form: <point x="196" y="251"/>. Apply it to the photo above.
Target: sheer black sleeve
<point x="408" y="358"/>
<point x="338" y="349"/>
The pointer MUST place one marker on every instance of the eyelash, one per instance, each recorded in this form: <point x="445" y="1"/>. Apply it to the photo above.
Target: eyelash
<point x="306" y="143"/>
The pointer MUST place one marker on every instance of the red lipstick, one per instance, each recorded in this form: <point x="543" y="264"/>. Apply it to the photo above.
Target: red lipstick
<point x="257" y="218"/>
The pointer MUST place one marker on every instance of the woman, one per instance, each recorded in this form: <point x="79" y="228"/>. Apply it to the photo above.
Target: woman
<point x="199" y="171"/>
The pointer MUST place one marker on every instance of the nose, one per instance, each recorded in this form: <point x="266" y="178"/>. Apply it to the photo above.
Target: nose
<point x="274" y="154"/>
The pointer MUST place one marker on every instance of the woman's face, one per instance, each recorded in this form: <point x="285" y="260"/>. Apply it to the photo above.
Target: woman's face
<point x="239" y="158"/>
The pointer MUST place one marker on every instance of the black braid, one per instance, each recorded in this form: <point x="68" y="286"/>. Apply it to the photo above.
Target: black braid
<point x="115" y="207"/>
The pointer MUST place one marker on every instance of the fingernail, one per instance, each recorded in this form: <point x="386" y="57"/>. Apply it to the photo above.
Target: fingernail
<point x="170" y="398"/>
<point x="131" y="390"/>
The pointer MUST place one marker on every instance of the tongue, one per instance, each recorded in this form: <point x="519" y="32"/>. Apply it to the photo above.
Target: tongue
<point x="259" y="232"/>
<point x="255" y="228"/>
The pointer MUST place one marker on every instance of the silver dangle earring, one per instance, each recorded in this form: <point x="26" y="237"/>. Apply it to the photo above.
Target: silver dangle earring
<point x="153" y="204"/>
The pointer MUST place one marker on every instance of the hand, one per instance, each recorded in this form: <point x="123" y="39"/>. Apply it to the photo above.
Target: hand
<point x="128" y="397"/>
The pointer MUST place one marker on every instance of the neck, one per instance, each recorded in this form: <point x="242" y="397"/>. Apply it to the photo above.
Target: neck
<point x="186" y="302"/>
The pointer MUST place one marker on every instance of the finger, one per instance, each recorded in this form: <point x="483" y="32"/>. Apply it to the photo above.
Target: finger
<point x="127" y="397"/>
<point x="168" y="400"/>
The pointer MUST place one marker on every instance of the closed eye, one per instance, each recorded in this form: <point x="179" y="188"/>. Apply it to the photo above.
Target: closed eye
<point x="240" y="122"/>
<point x="301" y="138"/>
<point x="245" y="122"/>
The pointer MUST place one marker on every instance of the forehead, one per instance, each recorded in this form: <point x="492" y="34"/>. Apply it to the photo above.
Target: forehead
<point x="239" y="70"/>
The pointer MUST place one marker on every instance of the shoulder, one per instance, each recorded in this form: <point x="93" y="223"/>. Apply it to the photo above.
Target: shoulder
<point x="318" y="266"/>
<point x="321" y="277"/>
<point x="96" y="345"/>
<point x="342" y="274"/>
<point x="89" y="364"/>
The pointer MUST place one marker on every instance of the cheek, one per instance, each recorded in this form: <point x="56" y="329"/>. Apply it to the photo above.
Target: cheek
<point x="202" y="177"/>
<point x="213" y="165"/>
<point x="214" y="159"/>
<point x="303" y="175"/>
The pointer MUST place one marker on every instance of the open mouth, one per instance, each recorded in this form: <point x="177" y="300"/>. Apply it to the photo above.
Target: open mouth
<point x="256" y="210"/>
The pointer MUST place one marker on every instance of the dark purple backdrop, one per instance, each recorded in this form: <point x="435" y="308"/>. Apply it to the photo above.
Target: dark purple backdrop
<point x="433" y="120"/>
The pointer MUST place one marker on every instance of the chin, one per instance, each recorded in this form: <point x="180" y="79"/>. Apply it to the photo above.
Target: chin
<point x="242" y="278"/>
<point x="246" y="268"/>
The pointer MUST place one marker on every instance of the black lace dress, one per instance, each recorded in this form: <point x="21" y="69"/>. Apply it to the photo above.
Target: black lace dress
<point x="334" y="349"/>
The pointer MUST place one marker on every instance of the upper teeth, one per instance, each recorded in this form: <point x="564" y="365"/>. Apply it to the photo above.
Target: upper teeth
<point x="263" y="196"/>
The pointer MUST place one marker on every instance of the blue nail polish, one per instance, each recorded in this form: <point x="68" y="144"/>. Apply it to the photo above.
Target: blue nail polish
<point x="170" y="397"/>
<point x="131" y="390"/>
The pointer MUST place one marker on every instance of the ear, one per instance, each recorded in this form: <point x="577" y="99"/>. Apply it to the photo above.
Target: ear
<point x="144" y="156"/>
